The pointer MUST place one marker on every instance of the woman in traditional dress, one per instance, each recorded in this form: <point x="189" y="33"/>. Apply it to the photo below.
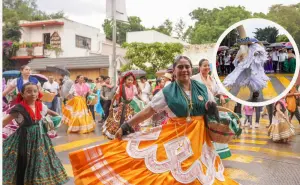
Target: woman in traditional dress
<point x="204" y="78"/>
<point x="16" y="85"/>
<point x="28" y="154"/>
<point x="281" y="128"/>
<point x="98" y="106"/>
<point x="127" y="108"/>
<point x="292" y="104"/>
<point x="290" y="62"/>
<point x="179" y="152"/>
<point x="75" y="113"/>
<point x="249" y="62"/>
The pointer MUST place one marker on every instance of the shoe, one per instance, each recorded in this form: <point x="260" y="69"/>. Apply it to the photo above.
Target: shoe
<point x="256" y="125"/>
<point x="247" y="125"/>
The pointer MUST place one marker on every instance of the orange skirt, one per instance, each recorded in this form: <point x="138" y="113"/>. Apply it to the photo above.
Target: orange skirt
<point x="175" y="153"/>
<point x="77" y="116"/>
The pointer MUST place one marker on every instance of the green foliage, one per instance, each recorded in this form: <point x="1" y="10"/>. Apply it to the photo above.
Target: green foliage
<point x="288" y="17"/>
<point x="179" y="29"/>
<point x="134" y="24"/>
<point x="165" y="28"/>
<point x="210" y="24"/>
<point x="282" y="38"/>
<point x="268" y="34"/>
<point x="151" y="57"/>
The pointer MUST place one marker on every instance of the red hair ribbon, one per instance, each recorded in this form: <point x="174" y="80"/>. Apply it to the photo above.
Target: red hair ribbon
<point x="122" y="81"/>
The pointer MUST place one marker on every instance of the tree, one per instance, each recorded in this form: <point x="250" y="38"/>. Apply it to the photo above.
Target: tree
<point x="282" y="38"/>
<point x="230" y="39"/>
<point x="288" y="17"/>
<point x="179" y="28"/>
<point x="210" y="24"/>
<point x="266" y="34"/>
<point x="165" y="28"/>
<point x="134" y="24"/>
<point x="151" y="57"/>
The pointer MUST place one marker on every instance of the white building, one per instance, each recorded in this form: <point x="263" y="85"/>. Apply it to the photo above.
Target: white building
<point x="151" y="36"/>
<point x="194" y="52"/>
<point x="66" y="39"/>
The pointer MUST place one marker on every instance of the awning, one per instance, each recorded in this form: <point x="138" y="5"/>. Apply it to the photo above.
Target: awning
<point x="25" y="57"/>
<point x="90" y="62"/>
<point x="42" y="23"/>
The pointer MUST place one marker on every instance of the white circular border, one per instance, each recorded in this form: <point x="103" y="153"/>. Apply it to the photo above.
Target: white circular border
<point x="264" y="103"/>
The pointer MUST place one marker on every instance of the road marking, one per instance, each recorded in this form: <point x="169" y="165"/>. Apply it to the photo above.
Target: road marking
<point x="240" y="158"/>
<point x="284" y="81"/>
<point x="254" y="136"/>
<point x="247" y="141"/>
<point x="266" y="151"/>
<point x="69" y="170"/>
<point x="269" y="91"/>
<point x="239" y="174"/>
<point x="75" y="144"/>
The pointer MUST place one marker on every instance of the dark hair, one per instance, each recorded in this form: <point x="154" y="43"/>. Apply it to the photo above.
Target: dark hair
<point x="102" y="76"/>
<point x="143" y="77"/>
<point x="177" y="59"/>
<point x="86" y="79"/>
<point x="97" y="78"/>
<point x="283" y="109"/>
<point x="78" y="76"/>
<point x="201" y="61"/>
<point x="106" y="77"/>
<point x="27" y="84"/>
<point x="23" y="67"/>
<point x="158" y="81"/>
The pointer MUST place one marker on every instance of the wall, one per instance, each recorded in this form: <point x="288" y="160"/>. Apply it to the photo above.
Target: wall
<point x="67" y="33"/>
<point x="151" y="36"/>
<point x="198" y="52"/>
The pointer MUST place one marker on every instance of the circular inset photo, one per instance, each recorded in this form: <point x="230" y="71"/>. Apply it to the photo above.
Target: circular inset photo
<point x="257" y="62"/>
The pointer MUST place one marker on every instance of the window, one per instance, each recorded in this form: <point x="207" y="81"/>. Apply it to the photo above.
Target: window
<point x="83" y="42"/>
<point x="46" y="38"/>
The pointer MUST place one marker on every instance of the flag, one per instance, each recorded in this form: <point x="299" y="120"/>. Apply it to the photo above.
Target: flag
<point x="121" y="14"/>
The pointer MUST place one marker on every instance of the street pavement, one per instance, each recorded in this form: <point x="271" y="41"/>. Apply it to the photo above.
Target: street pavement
<point x="277" y="84"/>
<point x="255" y="159"/>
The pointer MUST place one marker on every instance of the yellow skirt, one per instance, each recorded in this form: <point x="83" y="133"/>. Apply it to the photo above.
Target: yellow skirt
<point x="175" y="153"/>
<point x="77" y="116"/>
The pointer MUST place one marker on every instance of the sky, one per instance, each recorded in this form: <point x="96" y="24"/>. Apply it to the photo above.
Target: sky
<point x="151" y="12"/>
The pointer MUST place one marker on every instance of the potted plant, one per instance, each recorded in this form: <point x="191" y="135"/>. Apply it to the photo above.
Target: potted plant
<point x="29" y="48"/>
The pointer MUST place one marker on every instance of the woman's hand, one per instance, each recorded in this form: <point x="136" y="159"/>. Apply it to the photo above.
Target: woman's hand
<point x="222" y="100"/>
<point x="119" y="134"/>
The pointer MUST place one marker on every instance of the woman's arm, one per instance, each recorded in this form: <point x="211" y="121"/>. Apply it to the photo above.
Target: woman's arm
<point x="112" y="101"/>
<point x="8" y="90"/>
<point x="136" y="119"/>
<point x="7" y="120"/>
<point x="52" y="113"/>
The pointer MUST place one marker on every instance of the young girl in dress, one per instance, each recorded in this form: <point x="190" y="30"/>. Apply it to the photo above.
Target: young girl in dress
<point x="248" y="113"/>
<point x="28" y="154"/>
<point x="281" y="128"/>
<point x="126" y="109"/>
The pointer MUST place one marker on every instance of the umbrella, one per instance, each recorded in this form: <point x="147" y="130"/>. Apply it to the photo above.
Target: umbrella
<point x="12" y="73"/>
<point x="58" y="69"/>
<point x="223" y="48"/>
<point x="265" y="43"/>
<point x="137" y="73"/>
<point x="288" y="45"/>
<point x="161" y="72"/>
<point x="40" y="78"/>
<point x="276" y="45"/>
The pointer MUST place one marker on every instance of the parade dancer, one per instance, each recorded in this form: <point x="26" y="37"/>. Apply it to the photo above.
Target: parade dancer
<point x="179" y="152"/>
<point x="281" y="128"/>
<point x="210" y="83"/>
<point x="249" y="70"/>
<point x="127" y="108"/>
<point x="28" y="154"/>
<point x="76" y="114"/>
<point x="16" y="85"/>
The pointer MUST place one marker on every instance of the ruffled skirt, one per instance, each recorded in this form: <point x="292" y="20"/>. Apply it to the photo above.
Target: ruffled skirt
<point x="175" y="153"/>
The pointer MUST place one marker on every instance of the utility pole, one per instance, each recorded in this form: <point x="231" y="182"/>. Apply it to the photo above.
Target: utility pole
<point x="114" y="36"/>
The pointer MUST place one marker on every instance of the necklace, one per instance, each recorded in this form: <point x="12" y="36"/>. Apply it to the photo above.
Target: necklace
<point x="189" y="102"/>
<point x="180" y="147"/>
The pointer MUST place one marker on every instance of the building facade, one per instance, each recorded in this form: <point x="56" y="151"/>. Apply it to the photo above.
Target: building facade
<point x="65" y="40"/>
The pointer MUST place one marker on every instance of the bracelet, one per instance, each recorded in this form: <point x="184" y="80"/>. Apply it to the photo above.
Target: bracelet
<point x="126" y="129"/>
